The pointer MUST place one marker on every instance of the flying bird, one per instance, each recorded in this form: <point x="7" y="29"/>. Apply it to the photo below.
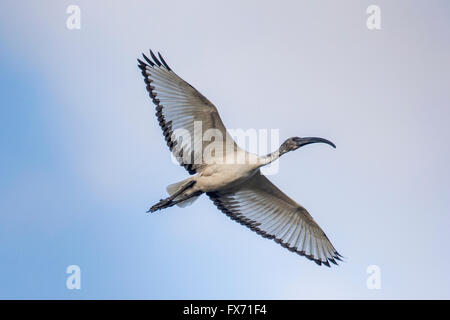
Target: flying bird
<point x="237" y="189"/>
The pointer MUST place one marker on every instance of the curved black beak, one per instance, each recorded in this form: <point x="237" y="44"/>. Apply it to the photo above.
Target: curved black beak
<point x="308" y="140"/>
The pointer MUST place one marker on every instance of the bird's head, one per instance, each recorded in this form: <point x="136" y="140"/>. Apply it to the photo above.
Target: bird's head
<point x="296" y="142"/>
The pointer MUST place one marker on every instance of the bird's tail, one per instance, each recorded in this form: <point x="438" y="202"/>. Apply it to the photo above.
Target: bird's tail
<point x="182" y="185"/>
<point x="174" y="187"/>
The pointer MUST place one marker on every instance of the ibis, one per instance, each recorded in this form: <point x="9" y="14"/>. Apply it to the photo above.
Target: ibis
<point x="238" y="189"/>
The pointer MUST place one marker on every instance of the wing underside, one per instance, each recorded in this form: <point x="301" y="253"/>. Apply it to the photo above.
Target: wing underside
<point x="179" y="107"/>
<point x="262" y="207"/>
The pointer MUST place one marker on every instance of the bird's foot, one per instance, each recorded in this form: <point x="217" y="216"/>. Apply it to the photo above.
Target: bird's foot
<point x="163" y="203"/>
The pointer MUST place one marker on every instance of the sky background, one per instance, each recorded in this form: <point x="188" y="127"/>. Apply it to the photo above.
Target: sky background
<point x="82" y="156"/>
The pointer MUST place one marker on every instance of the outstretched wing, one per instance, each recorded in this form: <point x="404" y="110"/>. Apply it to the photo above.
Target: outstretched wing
<point x="178" y="106"/>
<point x="265" y="209"/>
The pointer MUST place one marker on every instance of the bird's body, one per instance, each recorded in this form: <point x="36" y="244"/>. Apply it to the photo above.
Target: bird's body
<point x="229" y="175"/>
<point x="224" y="176"/>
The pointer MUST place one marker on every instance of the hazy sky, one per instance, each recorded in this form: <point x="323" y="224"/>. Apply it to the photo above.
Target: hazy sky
<point x="82" y="156"/>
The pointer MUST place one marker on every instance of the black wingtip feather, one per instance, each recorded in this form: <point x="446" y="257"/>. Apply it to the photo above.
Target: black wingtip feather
<point x="332" y="261"/>
<point x="142" y="63"/>
<point x="150" y="62"/>
<point x="164" y="62"/>
<point x="155" y="59"/>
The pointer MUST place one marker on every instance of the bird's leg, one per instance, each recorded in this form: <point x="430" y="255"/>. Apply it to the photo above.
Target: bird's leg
<point x="161" y="205"/>
<point x="172" y="203"/>
<point x="168" y="202"/>
<point x="182" y="189"/>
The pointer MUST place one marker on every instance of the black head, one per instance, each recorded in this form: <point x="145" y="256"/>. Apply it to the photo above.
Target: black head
<point x="296" y="142"/>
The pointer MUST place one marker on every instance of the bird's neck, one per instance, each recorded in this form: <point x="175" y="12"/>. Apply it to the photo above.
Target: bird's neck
<point x="271" y="157"/>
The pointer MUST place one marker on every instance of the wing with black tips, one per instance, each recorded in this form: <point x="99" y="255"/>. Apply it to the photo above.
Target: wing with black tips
<point x="262" y="207"/>
<point x="178" y="107"/>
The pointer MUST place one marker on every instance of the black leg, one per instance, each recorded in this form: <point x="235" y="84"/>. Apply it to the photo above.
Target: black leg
<point x="168" y="202"/>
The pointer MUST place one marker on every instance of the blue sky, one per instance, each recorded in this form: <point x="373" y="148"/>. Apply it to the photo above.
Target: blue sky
<point x="82" y="156"/>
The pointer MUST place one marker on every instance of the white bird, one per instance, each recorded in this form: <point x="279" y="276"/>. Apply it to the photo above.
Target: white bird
<point x="237" y="189"/>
